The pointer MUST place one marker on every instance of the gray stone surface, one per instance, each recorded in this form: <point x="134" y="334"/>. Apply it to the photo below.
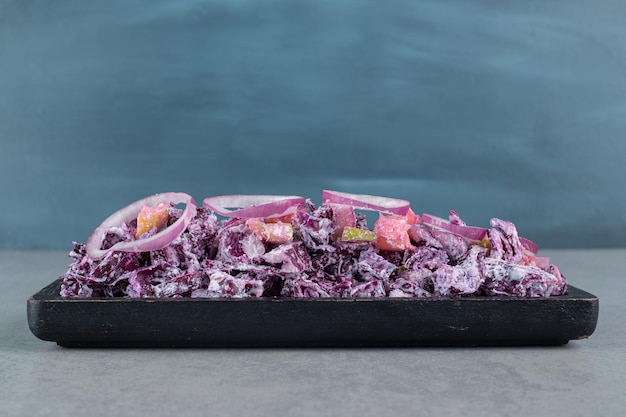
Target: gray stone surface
<point x="582" y="378"/>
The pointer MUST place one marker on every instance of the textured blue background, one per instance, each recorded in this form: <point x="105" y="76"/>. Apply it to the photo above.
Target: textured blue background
<point x="511" y="109"/>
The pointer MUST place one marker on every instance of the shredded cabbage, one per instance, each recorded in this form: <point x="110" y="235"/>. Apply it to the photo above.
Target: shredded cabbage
<point x="225" y="258"/>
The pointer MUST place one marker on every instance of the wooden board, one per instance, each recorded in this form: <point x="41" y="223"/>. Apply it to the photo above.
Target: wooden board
<point x="272" y="322"/>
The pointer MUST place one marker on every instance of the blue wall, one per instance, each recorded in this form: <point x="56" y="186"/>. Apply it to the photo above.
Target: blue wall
<point x="510" y="109"/>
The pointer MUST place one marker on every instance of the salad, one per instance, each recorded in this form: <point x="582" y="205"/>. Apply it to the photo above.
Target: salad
<point x="284" y="246"/>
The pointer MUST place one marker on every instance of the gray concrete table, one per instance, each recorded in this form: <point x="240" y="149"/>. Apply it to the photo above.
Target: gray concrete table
<point x="582" y="378"/>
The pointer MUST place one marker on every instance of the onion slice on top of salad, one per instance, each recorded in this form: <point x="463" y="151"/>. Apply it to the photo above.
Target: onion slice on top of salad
<point x="250" y="206"/>
<point x="529" y="245"/>
<point x="469" y="232"/>
<point x="472" y="233"/>
<point x="367" y="202"/>
<point x="159" y="240"/>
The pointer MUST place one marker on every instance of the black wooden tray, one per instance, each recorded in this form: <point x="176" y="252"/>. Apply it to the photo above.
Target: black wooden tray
<point x="184" y="322"/>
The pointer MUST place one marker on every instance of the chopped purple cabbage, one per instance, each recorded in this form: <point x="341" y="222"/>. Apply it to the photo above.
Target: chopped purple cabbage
<point x="372" y="266"/>
<point x="214" y="258"/>
<point x="293" y="258"/>
<point x="463" y="278"/>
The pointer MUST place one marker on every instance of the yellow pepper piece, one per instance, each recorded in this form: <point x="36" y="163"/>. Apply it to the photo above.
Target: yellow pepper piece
<point x="485" y="243"/>
<point x="354" y="234"/>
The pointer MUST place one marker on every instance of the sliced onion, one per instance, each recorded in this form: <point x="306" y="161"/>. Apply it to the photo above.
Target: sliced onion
<point x="529" y="245"/>
<point x="469" y="232"/>
<point x="472" y="232"/>
<point x="249" y="206"/>
<point x="367" y="202"/>
<point x="130" y="212"/>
